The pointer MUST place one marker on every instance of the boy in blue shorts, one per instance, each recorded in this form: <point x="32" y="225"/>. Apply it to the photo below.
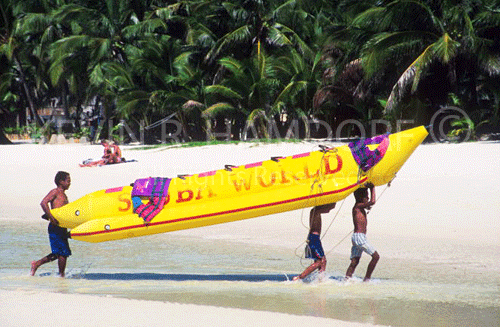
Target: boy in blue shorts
<point x="314" y="241"/>
<point x="359" y="241"/>
<point x="58" y="236"/>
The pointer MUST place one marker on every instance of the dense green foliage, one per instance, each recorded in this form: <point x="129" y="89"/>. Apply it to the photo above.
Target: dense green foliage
<point x="257" y="66"/>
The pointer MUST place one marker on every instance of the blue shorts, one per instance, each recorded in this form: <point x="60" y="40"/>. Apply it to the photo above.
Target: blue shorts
<point x="58" y="237"/>
<point x="360" y="245"/>
<point x="316" y="249"/>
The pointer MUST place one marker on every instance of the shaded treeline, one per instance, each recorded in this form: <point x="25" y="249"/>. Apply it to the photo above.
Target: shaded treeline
<point x="250" y="64"/>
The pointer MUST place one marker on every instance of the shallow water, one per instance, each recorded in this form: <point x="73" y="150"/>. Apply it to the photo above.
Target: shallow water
<point x="186" y="269"/>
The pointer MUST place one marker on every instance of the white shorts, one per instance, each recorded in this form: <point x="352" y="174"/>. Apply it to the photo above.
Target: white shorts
<point x="360" y="244"/>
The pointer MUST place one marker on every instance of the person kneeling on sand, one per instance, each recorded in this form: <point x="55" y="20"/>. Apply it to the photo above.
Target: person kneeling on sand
<point x="116" y="155"/>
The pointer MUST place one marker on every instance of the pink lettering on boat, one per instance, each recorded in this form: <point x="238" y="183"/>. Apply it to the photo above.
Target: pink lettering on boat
<point x="208" y="173"/>
<point x="112" y="190"/>
<point x="302" y="155"/>
<point x="252" y="165"/>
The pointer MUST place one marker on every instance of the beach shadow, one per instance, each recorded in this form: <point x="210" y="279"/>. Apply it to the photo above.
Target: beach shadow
<point x="184" y="277"/>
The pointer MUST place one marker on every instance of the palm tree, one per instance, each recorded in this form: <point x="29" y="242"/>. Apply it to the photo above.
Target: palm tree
<point x="347" y="91"/>
<point x="439" y="43"/>
<point x="420" y="50"/>
<point x="258" y="32"/>
<point x="162" y="76"/>
<point x="300" y="80"/>
<point x="251" y="90"/>
<point x="345" y="96"/>
<point x="96" y="43"/>
<point x="16" y="47"/>
<point x="487" y="26"/>
<point x="254" y="61"/>
<point x="43" y="30"/>
<point x="424" y="43"/>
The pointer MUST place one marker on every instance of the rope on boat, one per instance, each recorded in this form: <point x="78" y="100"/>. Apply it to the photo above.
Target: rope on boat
<point x="325" y="149"/>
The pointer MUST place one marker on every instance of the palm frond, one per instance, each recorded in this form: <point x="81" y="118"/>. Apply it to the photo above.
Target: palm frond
<point x="101" y="47"/>
<point x="56" y="70"/>
<point x="223" y="91"/>
<point x="409" y="76"/>
<point x="285" y="65"/>
<point x="130" y="102"/>
<point x="218" y="108"/>
<point x="163" y="99"/>
<point x="32" y="23"/>
<point x="491" y="64"/>
<point x="290" y="90"/>
<point x="146" y="27"/>
<point x="192" y="104"/>
<point x="369" y="18"/>
<point x="231" y="64"/>
<point x="443" y="49"/>
<point x="257" y="113"/>
<point x="421" y="14"/>
<point x="69" y="45"/>
<point x="239" y="35"/>
<point x="446" y="48"/>
<point x="488" y="18"/>
<point x="5" y="84"/>
<point x="111" y="74"/>
<point x="261" y="62"/>
<point x="182" y="67"/>
<point x="289" y="8"/>
<point x="277" y="38"/>
<point x="385" y="47"/>
<point x="302" y="46"/>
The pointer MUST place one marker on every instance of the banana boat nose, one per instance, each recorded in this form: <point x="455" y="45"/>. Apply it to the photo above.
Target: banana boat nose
<point x="401" y="146"/>
<point x="73" y="213"/>
<point x="99" y="204"/>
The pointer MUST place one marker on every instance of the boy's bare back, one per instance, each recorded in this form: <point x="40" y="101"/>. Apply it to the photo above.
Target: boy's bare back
<point x="315" y="217"/>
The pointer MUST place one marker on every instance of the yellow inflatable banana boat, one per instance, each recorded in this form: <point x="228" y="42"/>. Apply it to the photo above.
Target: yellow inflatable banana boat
<point x="158" y="205"/>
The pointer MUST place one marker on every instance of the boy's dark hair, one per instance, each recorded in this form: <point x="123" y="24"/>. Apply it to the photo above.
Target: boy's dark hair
<point x="360" y="193"/>
<point x="60" y="176"/>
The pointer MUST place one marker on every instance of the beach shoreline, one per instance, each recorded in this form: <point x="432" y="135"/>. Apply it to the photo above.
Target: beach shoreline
<point x="435" y="225"/>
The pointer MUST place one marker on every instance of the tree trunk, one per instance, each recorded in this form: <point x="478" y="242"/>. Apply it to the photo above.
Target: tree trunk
<point x="65" y="93"/>
<point x="27" y="92"/>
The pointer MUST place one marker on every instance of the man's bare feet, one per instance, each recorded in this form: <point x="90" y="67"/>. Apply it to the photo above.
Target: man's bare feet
<point x="34" y="267"/>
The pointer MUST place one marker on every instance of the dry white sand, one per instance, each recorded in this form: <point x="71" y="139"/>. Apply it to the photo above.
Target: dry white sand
<point x="444" y="194"/>
<point x="19" y="308"/>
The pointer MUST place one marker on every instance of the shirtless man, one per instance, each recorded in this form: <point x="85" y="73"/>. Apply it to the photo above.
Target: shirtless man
<point x="108" y="153"/>
<point x="359" y="242"/>
<point x="314" y="241"/>
<point x="58" y="236"/>
<point x="107" y="157"/>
